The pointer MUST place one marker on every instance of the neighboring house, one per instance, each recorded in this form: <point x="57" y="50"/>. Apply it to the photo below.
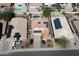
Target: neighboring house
<point x="62" y="29"/>
<point x="19" y="29"/>
<point x="66" y="7"/>
<point x="20" y="26"/>
<point x="34" y="7"/>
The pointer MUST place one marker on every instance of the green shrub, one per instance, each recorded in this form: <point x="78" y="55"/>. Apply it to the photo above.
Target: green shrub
<point x="7" y="15"/>
<point x="47" y="11"/>
<point x="64" y="42"/>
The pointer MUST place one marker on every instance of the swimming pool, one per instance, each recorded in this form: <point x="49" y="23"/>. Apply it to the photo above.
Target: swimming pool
<point x="18" y="10"/>
<point x="57" y="23"/>
<point x="36" y="16"/>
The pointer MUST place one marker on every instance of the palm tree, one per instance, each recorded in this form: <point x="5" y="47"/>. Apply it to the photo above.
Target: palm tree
<point x="11" y="14"/>
<point x="7" y="15"/>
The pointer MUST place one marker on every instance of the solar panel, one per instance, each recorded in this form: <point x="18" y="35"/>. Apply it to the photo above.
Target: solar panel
<point x="57" y="23"/>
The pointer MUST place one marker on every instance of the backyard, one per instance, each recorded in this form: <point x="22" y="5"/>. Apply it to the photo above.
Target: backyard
<point x="63" y="42"/>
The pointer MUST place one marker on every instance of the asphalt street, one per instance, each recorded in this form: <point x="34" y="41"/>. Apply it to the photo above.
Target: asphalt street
<point x="45" y="53"/>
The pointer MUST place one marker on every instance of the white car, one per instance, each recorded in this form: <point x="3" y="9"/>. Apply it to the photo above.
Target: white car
<point x="13" y="45"/>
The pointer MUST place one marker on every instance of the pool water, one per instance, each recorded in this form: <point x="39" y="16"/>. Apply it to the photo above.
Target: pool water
<point x="36" y="16"/>
<point x="57" y="23"/>
<point x="18" y="10"/>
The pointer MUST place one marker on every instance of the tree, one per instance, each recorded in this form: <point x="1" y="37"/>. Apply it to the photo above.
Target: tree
<point x="47" y="11"/>
<point x="5" y="16"/>
<point x="64" y="42"/>
<point x="53" y="9"/>
<point x="0" y="16"/>
<point x="11" y="13"/>
<point x="30" y="15"/>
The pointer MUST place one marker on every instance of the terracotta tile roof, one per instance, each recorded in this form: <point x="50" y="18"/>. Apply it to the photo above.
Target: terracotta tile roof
<point x="36" y="20"/>
<point x="45" y="31"/>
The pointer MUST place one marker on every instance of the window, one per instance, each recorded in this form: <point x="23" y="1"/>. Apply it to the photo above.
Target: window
<point x="57" y="23"/>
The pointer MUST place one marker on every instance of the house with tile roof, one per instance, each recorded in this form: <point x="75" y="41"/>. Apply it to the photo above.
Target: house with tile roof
<point x="40" y="27"/>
